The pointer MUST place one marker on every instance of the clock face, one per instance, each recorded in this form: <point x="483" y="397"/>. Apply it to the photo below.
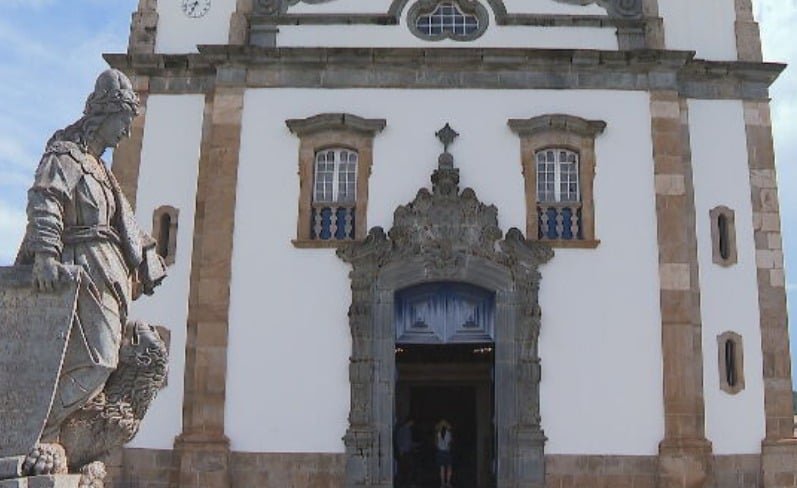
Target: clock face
<point x="195" y="8"/>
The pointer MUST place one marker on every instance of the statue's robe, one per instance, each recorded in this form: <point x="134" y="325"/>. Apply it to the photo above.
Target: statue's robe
<point x="78" y="214"/>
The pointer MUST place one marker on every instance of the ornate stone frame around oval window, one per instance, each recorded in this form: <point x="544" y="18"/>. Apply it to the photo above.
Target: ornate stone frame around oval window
<point x="468" y="7"/>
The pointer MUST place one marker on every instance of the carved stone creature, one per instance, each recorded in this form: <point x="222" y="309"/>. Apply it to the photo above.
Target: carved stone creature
<point x="112" y="418"/>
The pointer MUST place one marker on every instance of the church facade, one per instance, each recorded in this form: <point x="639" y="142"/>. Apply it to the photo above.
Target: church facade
<point x="552" y="223"/>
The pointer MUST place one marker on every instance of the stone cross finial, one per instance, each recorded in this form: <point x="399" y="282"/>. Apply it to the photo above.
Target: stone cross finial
<point x="446" y="136"/>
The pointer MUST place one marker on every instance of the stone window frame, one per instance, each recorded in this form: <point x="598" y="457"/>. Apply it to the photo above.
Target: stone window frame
<point x="717" y="237"/>
<point x="737" y="361"/>
<point x="560" y="131"/>
<point x="333" y="130"/>
<point x="157" y="229"/>
<point x="468" y="7"/>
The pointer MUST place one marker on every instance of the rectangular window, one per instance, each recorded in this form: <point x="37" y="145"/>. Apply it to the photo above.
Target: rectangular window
<point x="558" y="158"/>
<point x="557" y="176"/>
<point x="335" y="157"/>
<point x="335" y="176"/>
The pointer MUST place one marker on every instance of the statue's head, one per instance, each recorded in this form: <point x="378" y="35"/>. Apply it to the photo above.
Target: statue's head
<point x="113" y="93"/>
<point x="108" y="114"/>
<point x="110" y="110"/>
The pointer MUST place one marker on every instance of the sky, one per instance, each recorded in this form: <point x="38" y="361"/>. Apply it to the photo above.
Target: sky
<point x="50" y="55"/>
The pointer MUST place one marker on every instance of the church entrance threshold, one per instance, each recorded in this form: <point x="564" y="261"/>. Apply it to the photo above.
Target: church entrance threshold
<point x="451" y="382"/>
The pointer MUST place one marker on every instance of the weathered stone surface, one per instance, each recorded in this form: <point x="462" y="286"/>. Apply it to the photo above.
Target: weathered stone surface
<point x="59" y="481"/>
<point x="11" y="467"/>
<point x="35" y="330"/>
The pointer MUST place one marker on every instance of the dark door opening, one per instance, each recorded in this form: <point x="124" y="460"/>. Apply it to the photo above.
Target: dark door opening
<point x="451" y="382"/>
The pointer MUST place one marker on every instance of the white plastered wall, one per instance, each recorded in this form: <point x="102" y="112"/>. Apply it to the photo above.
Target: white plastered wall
<point x="177" y="33"/>
<point x="551" y="7"/>
<point x="704" y="26"/>
<point x="728" y="295"/>
<point x="400" y="36"/>
<point x="168" y="176"/>
<point x="289" y="341"/>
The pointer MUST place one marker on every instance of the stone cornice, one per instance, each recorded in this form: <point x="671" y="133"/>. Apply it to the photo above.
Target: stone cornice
<point x="560" y="20"/>
<point x="507" y="68"/>
<point x="324" y="19"/>
<point x="557" y="122"/>
<point x="451" y="57"/>
<point x="533" y="20"/>
<point x="335" y="121"/>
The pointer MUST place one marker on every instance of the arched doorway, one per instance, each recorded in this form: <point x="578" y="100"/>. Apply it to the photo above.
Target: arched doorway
<point x="445" y="236"/>
<point x="444" y="371"/>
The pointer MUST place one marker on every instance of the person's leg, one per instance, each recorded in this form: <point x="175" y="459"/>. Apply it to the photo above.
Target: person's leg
<point x="449" y="472"/>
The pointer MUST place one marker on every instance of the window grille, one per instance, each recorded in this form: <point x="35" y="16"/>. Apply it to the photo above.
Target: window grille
<point x="334" y="194"/>
<point x="335" y="175"/>
<point x="557" y="176"/>
<point x="558" y="194"/>
<point x="447" y="17"/>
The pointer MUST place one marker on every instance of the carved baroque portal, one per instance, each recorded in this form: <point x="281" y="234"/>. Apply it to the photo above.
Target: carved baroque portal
<point x="445" y="235"/>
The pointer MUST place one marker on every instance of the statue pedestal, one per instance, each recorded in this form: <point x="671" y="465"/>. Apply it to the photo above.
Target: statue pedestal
<point x="56" y="481"/>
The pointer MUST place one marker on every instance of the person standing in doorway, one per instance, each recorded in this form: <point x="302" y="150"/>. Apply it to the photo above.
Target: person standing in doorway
<point x="405" y="446"/>
<point x="443" y="439"/>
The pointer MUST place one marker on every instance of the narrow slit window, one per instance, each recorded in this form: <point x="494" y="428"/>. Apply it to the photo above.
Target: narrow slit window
<point x="163" y="235"/>
<point x="731" y="362"/>
<point x="164" y="230"/>
<point x="722" y="227"/>
<point x="723" y="236"/>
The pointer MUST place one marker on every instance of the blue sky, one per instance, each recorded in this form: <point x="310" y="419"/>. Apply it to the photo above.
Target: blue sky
<point x="50" y="54"/>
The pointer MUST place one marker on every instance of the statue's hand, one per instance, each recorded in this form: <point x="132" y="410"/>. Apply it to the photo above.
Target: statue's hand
<point x="47" y="271"/>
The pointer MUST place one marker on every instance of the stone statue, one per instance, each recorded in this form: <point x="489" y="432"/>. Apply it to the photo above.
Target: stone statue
<point x="83" y="247"/>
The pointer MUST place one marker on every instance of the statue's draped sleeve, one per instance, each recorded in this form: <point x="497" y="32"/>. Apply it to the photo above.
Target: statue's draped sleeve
<point x="52" y="190"/>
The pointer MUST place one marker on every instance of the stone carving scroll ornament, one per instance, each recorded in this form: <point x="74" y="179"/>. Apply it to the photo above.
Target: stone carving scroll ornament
<point x="629" y="9"/>
<point x="64" y="304"/>
<point x="279" y="7"/>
